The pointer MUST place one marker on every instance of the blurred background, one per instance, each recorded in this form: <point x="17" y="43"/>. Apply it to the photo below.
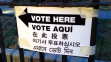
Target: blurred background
<point x="103" y="43"/>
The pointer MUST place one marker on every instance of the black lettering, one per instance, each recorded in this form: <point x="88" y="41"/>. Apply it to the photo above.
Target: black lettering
<point x="55" y="29"/>
<point x="44" y="35"/>
<point x="61" y="29"/>
<point x="44" y="41"/>
<point x="65" y="36"/>
<point x="43" y="27"/>
<point x="66" y="44"/>
<point x="34" y="34"/>
<point x="61" y="43"/>
<point x="47" y="28"/>
<point x="67" y="29"/>
<point x="50" y="42"/>
<point x="55" y="42"/>
<point x="33" y="26"/>
<point x="34" y="47"/>
<point x="54" y="36"/>
<point x="77" y="44"/>
<point x="38" y="27"/>
<point x="71" y="28"/>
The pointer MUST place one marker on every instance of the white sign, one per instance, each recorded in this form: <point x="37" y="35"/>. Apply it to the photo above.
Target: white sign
<point x="53" y="29"/>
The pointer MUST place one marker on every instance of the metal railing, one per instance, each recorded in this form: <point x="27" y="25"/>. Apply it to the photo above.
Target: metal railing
<point x="64" y="3"/>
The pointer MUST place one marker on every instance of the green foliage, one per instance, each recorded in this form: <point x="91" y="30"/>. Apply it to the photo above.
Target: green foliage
<point x="6" y="15"/>
<point x="12" y="32"/>
<point x="103" y="40"/>
<point x="105" y="8"/>
<point x="74" y="0"/>
<point x="27" y="0"/>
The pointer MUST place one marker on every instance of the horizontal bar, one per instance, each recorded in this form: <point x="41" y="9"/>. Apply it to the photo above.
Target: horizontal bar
<point x="58" y="4"/>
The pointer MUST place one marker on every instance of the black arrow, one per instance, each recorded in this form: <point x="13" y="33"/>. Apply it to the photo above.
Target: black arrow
<point x="27" y="18"/>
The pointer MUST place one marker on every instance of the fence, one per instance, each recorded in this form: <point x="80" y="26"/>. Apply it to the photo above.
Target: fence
<point x="63" y="3"/>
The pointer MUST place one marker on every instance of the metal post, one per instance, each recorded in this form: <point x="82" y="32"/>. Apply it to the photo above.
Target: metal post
<point x="1" y="57"/>
<point x="93" y="31"/>
<point x="93" y="37"/>
<point x="41" y="56"/>
<point x="0" y="11"/>
<point x="64" y="57"/>
<point x="21" y="53"/>
<point x="2" y="44"/>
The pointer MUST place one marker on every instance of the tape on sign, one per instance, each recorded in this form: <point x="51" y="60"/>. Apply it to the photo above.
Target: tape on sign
<point x="87" y="50"/>
<point x="18" y="11"/>
<point x="88" y="12"/>
<point x="95" y="12"/>
<point x="23" y="42"/>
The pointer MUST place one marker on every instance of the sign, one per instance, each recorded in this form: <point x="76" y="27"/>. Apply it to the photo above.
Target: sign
<point x="53" y="29"/>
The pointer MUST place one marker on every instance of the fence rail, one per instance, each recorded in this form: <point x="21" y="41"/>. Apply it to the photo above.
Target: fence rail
<point x="58" y="4"/>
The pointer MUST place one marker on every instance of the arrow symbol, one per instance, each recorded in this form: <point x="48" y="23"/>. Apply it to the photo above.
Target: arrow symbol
<point x="26" y="18"/>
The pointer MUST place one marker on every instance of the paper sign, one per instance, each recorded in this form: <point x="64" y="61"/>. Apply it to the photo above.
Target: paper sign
<point x="53" y="29"/>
